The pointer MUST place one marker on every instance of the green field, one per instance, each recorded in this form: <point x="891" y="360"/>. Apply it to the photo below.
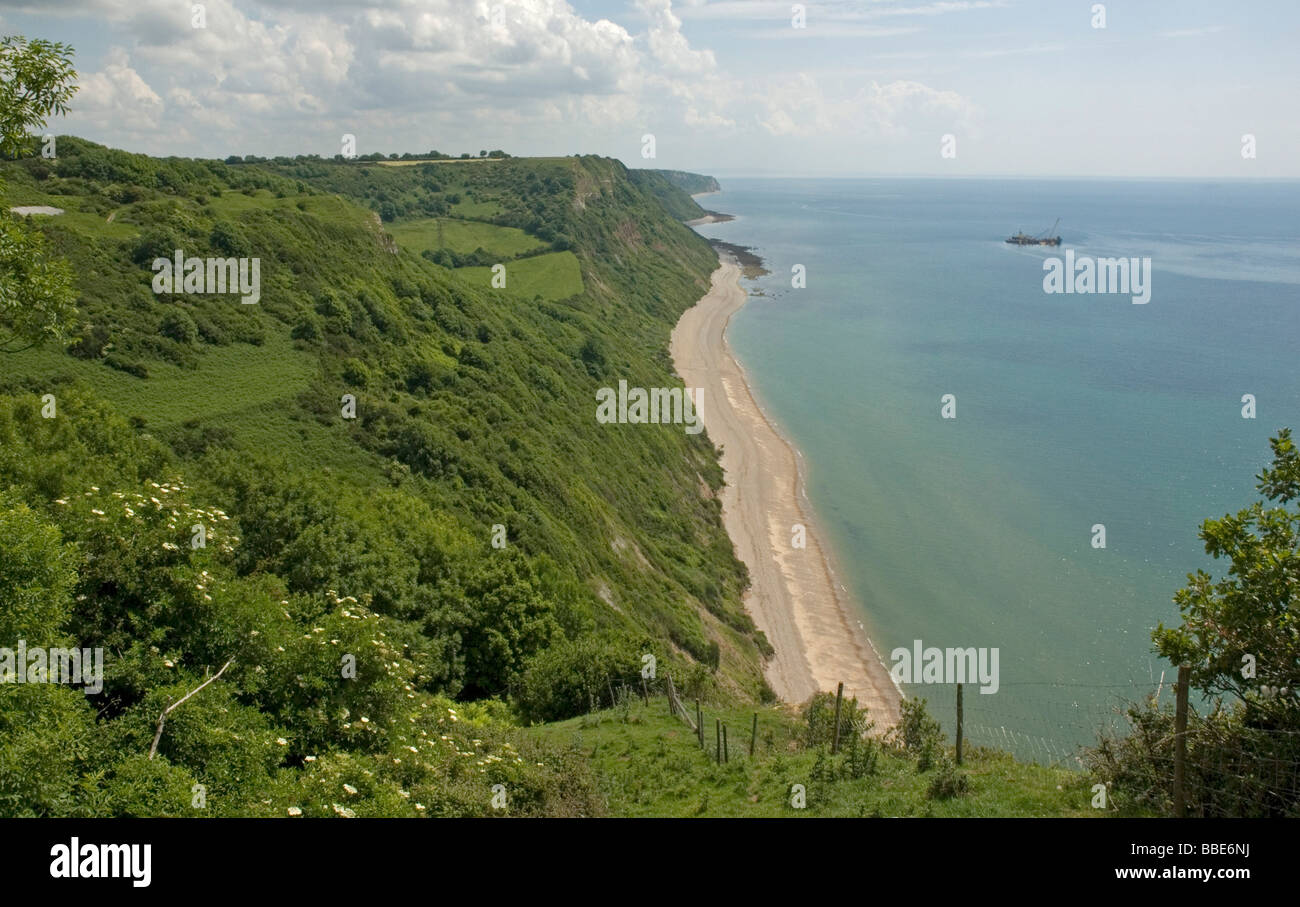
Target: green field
<point x="555" y="275"/>
<point x="478" y="210"/>
<point x="462" y="236"/>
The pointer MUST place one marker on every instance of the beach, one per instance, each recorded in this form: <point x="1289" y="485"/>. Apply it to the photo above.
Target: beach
<point x="794" y="596"/>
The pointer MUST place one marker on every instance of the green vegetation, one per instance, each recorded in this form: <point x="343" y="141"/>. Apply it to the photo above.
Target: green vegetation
<point x="555" y="275"/>
<point x="36" y="299"/>
<point x="690" y="183"/>
<point x="376" y="512"/>
<point x="431" y="234"/>
<point x="334" y="545"/>
<point x="671" y="188"/>
<point x="1238" y="639"/>
<point x="648" y="763"/>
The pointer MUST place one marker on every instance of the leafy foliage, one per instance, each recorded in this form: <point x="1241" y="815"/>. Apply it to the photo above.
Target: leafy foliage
<point x="36" y="298"/>
<point x="1239" y="639"/>
<point x="347" y="570"/>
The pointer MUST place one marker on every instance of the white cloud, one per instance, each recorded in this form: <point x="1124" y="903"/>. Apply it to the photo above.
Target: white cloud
<point x="293" y="76"/>
<point x="803" y="107"/>
<point x="118" y="95"/>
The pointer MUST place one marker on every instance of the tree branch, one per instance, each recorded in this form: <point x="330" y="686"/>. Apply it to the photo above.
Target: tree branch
<point x="163" y="717"/>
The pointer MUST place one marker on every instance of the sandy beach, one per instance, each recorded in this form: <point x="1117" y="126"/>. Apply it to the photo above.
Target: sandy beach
<point x="710" y="217"/>
<point x="794" y="597"/>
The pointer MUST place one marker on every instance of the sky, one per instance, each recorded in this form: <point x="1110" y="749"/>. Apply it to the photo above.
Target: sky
<point x="728" y="87"/>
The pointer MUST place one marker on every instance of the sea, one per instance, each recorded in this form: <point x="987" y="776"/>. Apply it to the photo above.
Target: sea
<point x="1070" y="412"/>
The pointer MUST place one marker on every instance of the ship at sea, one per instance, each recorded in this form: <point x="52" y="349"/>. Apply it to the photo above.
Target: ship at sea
<point x="1042" y="239"/>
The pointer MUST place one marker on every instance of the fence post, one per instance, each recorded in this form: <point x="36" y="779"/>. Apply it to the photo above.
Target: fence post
<point x="645" y="692"/>
<point x="726" y="750"/>
<point x="1180" y="740"/>
<point x="839" y="697"/>
<point x="717" y="730"/>
<point x="753" y="736"/>
<point x="699" y="723"/>
<point x="959" y="724"/>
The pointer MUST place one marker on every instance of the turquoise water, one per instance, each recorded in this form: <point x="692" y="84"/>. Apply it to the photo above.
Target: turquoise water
<point x="1072" y="410"/>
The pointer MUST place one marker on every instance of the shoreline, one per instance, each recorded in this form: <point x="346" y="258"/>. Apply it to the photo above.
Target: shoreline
<point x="795" y="596"/>
<point x="710" y="217"/>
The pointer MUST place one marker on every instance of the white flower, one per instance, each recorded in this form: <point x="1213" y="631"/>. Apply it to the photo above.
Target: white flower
<point x="280" y="741"/>
<point x="295" y="811"/>
<point x="350" y="789"/>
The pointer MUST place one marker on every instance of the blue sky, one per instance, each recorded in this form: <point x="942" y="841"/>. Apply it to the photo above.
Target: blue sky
<point x="731" y="87"/>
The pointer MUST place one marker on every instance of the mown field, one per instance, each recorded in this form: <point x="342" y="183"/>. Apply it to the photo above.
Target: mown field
<point x="433" y="233"/>
<point x="554" y="275"/>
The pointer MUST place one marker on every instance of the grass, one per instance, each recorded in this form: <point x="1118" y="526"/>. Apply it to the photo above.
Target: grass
<point x="477" y="210"/>
<point x="330" y="208"/>
<point x="650" y="764"/>
<point x="229" y="381"/>
<point x="555" y="275"/>
<point x="463" y="236"/>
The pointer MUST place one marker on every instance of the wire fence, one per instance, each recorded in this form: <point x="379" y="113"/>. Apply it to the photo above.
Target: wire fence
<point x="1174" y="763"/>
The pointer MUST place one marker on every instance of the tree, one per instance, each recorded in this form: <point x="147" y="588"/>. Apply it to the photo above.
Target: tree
<point x="1240" y="635"/>
<point x="1241" y="641"/>
<point x="35" y="82"/>
<point x="36" y="295"/>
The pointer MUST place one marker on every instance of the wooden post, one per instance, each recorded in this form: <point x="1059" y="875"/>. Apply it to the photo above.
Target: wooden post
<point x="645" y="691"/>
<point x="717" y="730"/>
<point x="699" y="723"/>
<point x="959" y="724"/>
<point x="1180" y="740"/>
<point x="839" y="697"/>
<point x="726" y="750"/>
<point x="753" y="736"/>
